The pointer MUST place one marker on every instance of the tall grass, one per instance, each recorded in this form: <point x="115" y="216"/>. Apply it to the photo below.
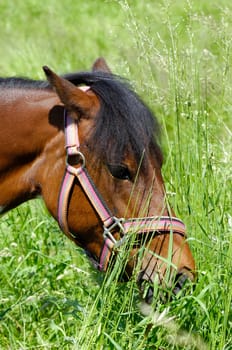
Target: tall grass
<point x="178" y="57"/>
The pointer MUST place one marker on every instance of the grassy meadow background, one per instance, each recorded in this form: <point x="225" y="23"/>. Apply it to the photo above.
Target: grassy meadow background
<point x="178" y="56"/>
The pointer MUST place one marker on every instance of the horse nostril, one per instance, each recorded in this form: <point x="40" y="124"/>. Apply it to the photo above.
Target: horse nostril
<point x="180" y="280"/>
<point x="146" y="288"/>
<point x="149" y="295"/>
<point x="147" y="291"/>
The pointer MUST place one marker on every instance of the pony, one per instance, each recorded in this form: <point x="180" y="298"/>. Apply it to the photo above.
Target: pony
<point x="89" y="146"/>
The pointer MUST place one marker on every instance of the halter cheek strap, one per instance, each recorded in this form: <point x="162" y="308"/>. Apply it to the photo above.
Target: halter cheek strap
<point x="110" y="223"/>
<point x="81" y="173"/>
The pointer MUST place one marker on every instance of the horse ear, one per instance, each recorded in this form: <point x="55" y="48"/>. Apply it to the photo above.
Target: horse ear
<point x="75" y="99"/>
<point x="101" y="65"/>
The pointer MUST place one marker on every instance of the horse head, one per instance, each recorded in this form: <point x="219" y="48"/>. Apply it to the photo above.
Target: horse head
<point x="113" y="187"/>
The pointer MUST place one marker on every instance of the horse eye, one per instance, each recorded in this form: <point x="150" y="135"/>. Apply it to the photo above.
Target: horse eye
<point x="119" y="171"/>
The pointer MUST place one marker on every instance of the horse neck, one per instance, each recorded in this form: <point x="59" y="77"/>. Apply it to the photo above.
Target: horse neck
<point x="29" y="133"/>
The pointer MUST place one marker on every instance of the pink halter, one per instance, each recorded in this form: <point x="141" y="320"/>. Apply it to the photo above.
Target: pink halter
<point x="145" y="225"/>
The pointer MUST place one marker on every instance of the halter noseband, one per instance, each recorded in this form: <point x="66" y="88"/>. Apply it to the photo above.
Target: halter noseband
<point x="159" y="224"/>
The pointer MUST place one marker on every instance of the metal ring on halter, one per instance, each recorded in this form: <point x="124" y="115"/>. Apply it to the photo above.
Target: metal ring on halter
<point x="71" y="169"/>
<point x="81" y="158"/>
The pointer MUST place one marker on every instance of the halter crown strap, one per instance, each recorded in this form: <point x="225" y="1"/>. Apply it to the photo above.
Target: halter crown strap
<point x="157" y="225"/>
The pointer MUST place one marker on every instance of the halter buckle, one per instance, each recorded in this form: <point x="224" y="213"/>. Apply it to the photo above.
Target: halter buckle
<point x="107" y="230"/>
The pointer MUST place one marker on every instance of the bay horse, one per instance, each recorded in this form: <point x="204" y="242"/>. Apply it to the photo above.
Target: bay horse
<point x="87" y="144"/>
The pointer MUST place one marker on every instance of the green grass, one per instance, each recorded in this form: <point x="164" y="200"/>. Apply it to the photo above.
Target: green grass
<point x="178" y="57"/>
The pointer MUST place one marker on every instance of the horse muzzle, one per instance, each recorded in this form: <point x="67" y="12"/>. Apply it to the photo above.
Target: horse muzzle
<point x="164" y="290"/>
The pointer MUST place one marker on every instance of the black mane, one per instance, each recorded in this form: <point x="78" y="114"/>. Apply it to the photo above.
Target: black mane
<point x="124" y="121"/>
